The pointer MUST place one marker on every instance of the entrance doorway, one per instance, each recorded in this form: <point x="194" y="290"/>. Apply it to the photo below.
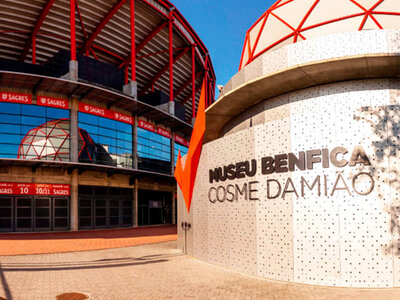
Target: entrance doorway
<point x="105" y="207"/>
<point x="155" y="207"/>
<point x="33" y="213"/>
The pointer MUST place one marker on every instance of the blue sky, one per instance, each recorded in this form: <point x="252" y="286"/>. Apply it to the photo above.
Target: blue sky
<point x="222" y="25"/>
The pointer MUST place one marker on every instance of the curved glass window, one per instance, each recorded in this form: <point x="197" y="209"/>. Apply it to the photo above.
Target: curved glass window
<point x="34" y="132"/>
<point x="104" y="141"/>
<point x="154" y="151"/>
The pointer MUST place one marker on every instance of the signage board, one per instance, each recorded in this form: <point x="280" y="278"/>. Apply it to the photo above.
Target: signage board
<point x="181" y="140"/>
<point x="15" y="98"/>
<point x="146" y="125"/>
<point x="106" y="113"/>
<point x="13" y="188"/>
<point x="52" y="102"/>
<point x="164" y="132"/>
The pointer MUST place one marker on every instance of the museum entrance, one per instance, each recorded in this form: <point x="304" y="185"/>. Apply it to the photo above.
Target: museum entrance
<point x="155" y="207"/>
<point x="105" y="207"/>
<point x="33" y="213"/>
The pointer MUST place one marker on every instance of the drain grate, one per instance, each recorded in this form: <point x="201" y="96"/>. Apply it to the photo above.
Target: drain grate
<point x="72" y="296"/>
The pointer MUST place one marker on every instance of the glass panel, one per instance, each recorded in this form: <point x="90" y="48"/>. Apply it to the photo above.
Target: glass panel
<point x="114" y="221"/>
<point x="24" y="202"/>
<point x="61" y="222"/>
<point x="85" y="212"/>
<point x="24" y="223"/>
<point x="23" y="212"/>
<point x="5" y="212"/>
<point x="29" y="132"/>
<point x="102" y="136"/>
<point x="100" y="221"/>
<point x="61" y="212"/>
<point x="114" y="212"/>
<point x="85" y="222"/>
<point x="42" y="202"/>
<point x="100" y="212"/>
<point x="5" y="202"/>
<point x="61" y="202"/>
<point x="5" y="223"/>
<point x="126" y="220"/>
<point x="42" y="212"/>
<point x="42" y="223"/>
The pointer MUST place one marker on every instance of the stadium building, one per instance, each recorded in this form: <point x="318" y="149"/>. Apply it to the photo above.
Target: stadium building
<point x="96" y="100"/>
<point x="298" y="178"/>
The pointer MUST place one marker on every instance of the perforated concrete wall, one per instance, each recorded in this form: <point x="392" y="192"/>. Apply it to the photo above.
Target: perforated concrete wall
<point x="346" y="233"/>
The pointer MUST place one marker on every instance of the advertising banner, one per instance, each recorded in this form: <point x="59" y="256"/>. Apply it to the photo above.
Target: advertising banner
<point x="106" y="113"/>
<point x="164" y="132"/>
<point x="181" y="140"/>
<point x="12" y="188"/>
<point x="146" y="125"/>
<point x="15" y="98"/>
<point x="52" y="102"/>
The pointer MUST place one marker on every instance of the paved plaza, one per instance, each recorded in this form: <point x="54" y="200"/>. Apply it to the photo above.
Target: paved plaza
<point x="58" y="242"/>
<point x="153" y="271"/>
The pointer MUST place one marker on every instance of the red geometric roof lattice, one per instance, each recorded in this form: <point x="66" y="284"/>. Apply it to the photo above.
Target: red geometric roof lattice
<point x="290" y="21"/>
<point x="49" y="141"/>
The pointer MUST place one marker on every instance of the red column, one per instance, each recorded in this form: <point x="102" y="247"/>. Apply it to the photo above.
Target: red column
<point x="34" y="50"/>
<point x="193" y="80"/>
<point x="171" y="58"/>
<point x="126" y="71"/>
<point x="206" y="85"/>
<point x="133" y="45"/>
<point x="72" y="29"/>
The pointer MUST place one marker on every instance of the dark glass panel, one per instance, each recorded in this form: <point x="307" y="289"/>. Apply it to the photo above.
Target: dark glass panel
<point x="61" y="222"/>
<point x="42" y="212"/>
<point x="100" y="212"/>
<point x="101" y="221"/>
<point x="126" y="220"/>
<point x="85" y="212"/>
<point x="4" y="202"/>
<point x="61" y="202"/>
<point x="42" y="202"/>
<point x="5" y="223"/>
<point x="114" y="212"/>
<point x="5" y="212"/>
<point x="24" y="202"/>
<point x="114" y="221"/>
<point x="24" y="223"/>
<point x="61" y="212"/>
<point x="85" y="222"/>
<point x="42" y="223"/>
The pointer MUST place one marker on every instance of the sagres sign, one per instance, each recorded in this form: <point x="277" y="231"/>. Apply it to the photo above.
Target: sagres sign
<point x="361" y="183"/>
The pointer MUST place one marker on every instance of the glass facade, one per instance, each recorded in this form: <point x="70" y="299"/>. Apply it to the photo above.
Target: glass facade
<point x="33" y="132"/>
<point x="154" y="151"/>
<point x="182" y="149"/>
<point x="104" y="141"/>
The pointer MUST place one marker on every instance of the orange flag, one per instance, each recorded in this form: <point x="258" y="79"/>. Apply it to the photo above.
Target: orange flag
<point x="186" y="177"/>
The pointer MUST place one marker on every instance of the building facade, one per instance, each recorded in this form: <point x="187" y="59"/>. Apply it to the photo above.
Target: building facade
<point x="298" y="176"/>
<point x="89" y="132"/>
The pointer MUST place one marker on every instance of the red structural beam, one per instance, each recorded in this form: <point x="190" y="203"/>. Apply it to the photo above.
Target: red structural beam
<point x="34" y="50"/>
<point x="190" y="96"/>
<point x="162" y="71"/>
<point x="187" y="83"/>
<point x="102" y="24"/>
<point x="194" y="81"/>
<point x="144" y="42"/>
<point x="133" y="43"/>
<point x="72" y="29"/>
<point x="36" y="28"/>
<point x="171" y="56"/>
